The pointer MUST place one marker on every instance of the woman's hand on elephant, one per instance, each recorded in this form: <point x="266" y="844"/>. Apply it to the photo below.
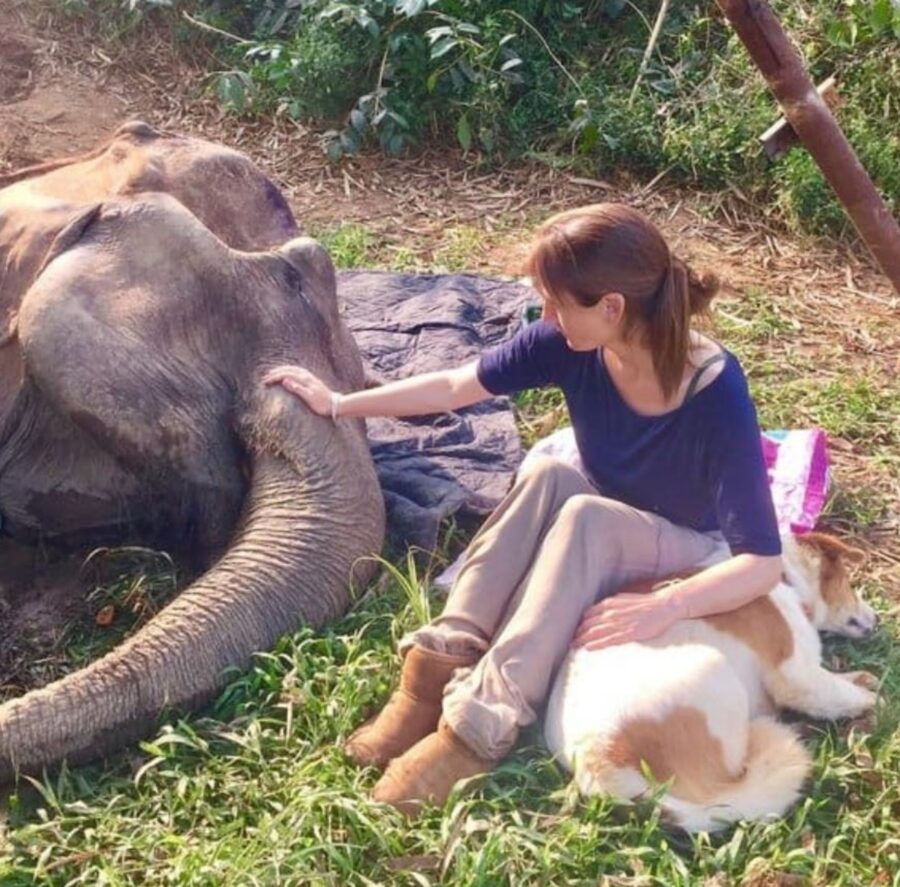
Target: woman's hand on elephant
<point x="623" y="618"/>
<point x="303" y="384"/>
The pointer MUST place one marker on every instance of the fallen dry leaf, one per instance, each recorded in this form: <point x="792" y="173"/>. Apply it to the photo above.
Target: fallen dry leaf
<point x="105" y="616"/>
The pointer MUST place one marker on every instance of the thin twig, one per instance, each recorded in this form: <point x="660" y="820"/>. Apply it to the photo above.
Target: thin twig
<point x="653" y="182"/>
<point x="378" y="87"/>
<point x="214" y="30"/>
<point x="546" y="46"/>
<point x="651" y="45"/>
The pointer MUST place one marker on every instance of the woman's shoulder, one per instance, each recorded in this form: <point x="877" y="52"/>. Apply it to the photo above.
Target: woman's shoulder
<point x="536" y="356"/>
<point x="541" y="332"/>
<point x="545" y="339"/>
<point x="727" y="391"/>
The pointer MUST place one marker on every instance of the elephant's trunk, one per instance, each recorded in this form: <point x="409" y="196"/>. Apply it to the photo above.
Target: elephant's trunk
<point x="305" y="529"/>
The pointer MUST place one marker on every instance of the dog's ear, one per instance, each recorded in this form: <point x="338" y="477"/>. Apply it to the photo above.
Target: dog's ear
<point x="831" y="547"/>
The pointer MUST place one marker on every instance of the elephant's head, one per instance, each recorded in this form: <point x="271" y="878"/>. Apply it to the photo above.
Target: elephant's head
<point x="145" y="337"/>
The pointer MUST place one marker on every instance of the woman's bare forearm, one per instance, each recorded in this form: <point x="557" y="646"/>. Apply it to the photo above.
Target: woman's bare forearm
<point x="725" y="586"/>
<point x="437" y="392"/>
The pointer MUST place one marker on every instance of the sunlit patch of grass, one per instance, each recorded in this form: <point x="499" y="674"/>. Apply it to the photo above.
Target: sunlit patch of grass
<point x="852" y="407"/>
<point x="458" y="249"/>
<point x="755" y="317"/>
<point x="855" y="408"/>
<point x="405" y="258"/>
<point x="350" y="245"/>
<point x="540" y="412"/>
<point x="856" y="508"/>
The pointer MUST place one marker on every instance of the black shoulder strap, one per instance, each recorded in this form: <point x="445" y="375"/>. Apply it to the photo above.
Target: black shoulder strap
<point x="695" y="379"/>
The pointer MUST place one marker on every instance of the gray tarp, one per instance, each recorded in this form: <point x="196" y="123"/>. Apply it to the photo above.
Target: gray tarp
<point x="435" y="466"/>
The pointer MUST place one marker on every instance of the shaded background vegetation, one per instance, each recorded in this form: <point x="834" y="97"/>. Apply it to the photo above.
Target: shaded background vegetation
<point x="556" y="79"/>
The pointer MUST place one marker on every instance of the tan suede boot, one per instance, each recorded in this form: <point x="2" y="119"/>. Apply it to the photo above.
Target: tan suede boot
<point x="427" y="773"/>
<point x="412" y="711"/>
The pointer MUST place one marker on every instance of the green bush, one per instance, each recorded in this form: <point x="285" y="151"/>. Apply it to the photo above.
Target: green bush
<point x="313" y="73"/>
<point x="557" y="77"/>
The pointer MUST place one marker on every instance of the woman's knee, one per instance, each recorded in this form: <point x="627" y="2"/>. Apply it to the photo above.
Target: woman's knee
<point x="589" y="512"/>
<point x="546" y="471"/>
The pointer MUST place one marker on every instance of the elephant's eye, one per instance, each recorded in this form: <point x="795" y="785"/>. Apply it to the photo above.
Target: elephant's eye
<point x="293" y="281"/>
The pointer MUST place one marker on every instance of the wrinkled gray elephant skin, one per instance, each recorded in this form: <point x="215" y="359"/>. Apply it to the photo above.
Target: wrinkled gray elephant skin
<point x="144" y="292"/>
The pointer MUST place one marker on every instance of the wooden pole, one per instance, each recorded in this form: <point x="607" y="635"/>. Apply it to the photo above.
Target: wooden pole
<point x="809" y="116"/>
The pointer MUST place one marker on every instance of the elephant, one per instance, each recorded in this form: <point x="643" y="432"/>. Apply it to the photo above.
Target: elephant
<point x="145" y="291"/>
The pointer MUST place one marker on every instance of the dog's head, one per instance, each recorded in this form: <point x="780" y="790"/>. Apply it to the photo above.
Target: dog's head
<point x="816" y="565"/>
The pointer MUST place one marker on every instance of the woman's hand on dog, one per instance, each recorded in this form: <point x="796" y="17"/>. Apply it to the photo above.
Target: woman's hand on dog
<point x="624" y="618"/>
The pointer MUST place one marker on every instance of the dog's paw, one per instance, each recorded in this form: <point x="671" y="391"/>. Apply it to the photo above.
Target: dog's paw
<point x="864" y="679"/>
<point x="863" y="723"/>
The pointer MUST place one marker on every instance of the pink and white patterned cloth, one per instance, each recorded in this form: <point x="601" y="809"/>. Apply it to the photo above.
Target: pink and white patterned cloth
<point x="797" y="463"/>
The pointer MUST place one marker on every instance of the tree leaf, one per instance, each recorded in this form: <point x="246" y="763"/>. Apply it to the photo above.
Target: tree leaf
<point x="409" y="8"/>
<point x="358" y="121"/>
<point x="442" y="47"/>
<point x="231" y="89"/>
<point x="464" y="133"/>
<point x="399" y="119"/>
<point x="349" y="141"/>
<point x="433" y="33"/>
<point x="881" y="15"/>
<point x="334" y="150"/>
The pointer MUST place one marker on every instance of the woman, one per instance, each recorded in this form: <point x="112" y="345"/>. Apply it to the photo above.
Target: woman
<point x="668" y="435"/>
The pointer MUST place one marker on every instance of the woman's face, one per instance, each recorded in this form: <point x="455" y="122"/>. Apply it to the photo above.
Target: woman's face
<point x="586" y="328"/>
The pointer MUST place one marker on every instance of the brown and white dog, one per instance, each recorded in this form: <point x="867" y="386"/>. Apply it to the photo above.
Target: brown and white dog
<point x="696" y="706"/>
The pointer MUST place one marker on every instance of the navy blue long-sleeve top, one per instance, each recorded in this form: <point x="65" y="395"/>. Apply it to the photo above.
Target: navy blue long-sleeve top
<point x="700" y="465"/>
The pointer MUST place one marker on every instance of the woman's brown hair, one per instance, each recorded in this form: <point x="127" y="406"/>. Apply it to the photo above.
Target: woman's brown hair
<point x="585" y="253"/>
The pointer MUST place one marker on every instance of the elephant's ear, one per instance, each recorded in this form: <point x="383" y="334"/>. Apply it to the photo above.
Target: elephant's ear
<point x="72" y="233"/>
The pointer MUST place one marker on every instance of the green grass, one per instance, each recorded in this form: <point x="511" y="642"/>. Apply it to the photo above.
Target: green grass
<point x="854" y="408"/>
<point x="258" y="792"/>
<point x="857" y="508"/>
<point x="457" y="249"/>
<point x="350" y="245"/>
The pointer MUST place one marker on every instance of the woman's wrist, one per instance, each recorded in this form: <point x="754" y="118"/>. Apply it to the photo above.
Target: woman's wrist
<point x="675" y="600"/>
<point x="335" y="405"/>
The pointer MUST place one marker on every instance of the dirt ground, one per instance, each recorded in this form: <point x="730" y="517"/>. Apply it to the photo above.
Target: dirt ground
<point x="62" y="91"/>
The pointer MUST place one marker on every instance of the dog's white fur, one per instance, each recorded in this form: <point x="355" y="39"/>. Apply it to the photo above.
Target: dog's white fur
<point x="696" y="706"/>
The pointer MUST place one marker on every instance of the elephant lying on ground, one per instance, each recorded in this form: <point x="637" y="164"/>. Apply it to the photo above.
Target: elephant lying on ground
<point x="144" y="292"/>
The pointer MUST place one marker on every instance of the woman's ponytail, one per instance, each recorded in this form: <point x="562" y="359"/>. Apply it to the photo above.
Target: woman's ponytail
<point x="702" y="290"/>
<point x="668" y="327"/>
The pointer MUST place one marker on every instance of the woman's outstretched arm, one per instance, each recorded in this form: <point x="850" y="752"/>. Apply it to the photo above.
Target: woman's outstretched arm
<point x="437" y="392"/>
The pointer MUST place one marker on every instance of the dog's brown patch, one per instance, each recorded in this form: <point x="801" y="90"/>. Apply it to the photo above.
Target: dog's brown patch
<point x="761" y="626"/>
<point x="758" y="624"/>
<point x="679" y="746"/>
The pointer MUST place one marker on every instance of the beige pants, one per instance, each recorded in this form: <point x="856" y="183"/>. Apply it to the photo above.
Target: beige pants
<point x="552" y="548"/>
